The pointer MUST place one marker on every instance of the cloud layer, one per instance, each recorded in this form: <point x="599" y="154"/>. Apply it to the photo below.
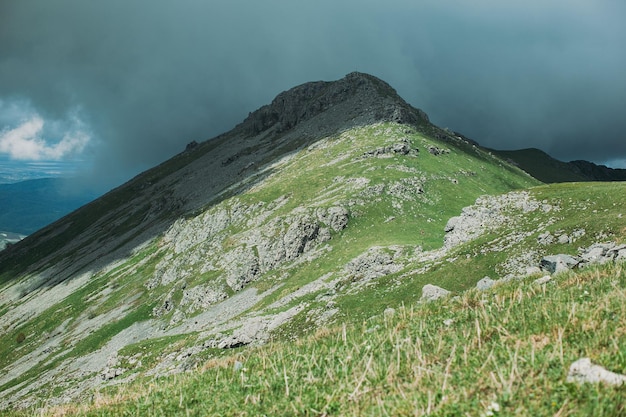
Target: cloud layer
<point x="25" y="142"/>
<point x="150" y="76"/>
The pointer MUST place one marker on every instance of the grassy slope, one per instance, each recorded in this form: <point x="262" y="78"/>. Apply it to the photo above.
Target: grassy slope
<point x="304" y="178"/>
<point x="511" y="345"/>
<point x="417" y="223"/>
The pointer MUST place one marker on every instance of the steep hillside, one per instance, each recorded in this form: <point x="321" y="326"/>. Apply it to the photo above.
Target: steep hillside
<point x="327" y="206"/>
<point x="9" y="238"/>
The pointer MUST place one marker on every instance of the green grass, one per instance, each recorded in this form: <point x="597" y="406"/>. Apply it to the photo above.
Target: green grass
<point x="511" y="345"/>
<point x="309" y="180"/>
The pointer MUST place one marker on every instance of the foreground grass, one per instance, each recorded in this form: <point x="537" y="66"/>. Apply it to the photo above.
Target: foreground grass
<point x="505" y="351"/>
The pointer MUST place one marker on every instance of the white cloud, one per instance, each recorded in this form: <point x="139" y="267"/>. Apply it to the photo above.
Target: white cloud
<point x="25" y="142"/>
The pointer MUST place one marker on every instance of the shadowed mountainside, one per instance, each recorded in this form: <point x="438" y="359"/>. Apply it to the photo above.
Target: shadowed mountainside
<point x="549" y="170"/>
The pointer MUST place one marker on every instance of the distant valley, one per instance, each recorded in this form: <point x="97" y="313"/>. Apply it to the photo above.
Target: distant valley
<point x="27" y="206"/>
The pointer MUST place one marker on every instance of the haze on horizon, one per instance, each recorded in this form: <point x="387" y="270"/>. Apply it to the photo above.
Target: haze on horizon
<point x="125" y="85"/>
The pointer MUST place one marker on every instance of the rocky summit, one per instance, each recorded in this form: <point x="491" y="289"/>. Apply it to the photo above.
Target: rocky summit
<point x="336" y="203"/>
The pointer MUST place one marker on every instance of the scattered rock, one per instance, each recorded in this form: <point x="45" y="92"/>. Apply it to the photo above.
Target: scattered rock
<point x="583" y="371"/>
<point x="432" y="292"/>
<point x="542" y="280"/>
<point x="389" y="312"/>
<point x="563" y="239"/>
<point x="401" y="148"/>
<point x="433" y="150"/>
<point x="532" y="270"/>
<point x="558" y="263"/>
<point x="485" y="283"/>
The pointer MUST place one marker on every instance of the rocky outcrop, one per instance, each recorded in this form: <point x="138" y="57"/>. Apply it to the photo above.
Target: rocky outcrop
<point x="374" y="263"/>
<point x="489" y="213"/>
<point x="401" y="148"/>
<point x="202" y="244"/>
<point x="306" y="101"/>
<point x="598" y="253"/>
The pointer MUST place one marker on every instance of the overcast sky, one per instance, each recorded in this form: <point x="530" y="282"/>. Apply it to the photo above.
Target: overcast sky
<point x="125" y="84"/>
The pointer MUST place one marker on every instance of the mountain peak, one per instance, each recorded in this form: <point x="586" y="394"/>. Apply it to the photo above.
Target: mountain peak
<point x="357" y="97"/>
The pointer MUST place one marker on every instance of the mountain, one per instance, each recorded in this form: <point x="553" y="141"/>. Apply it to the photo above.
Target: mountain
<point x="549" y="170"/>
<point x="9" y="238"/>
<point x="27" y="206"/>
<point x="321" y="212"/>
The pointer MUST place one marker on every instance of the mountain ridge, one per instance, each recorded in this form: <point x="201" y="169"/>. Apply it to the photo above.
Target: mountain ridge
<point x="233" y="156"/>
<point x="304" y="215"/>
<point x="547" y="169"/>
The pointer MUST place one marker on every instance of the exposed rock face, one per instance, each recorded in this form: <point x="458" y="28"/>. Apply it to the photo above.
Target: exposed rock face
<point x="488" y="213"/>
<point x="374" y="263"/>
<point x="304" y="102"/>
<point x="202" y="243"/>
<point x="400" y="148"/>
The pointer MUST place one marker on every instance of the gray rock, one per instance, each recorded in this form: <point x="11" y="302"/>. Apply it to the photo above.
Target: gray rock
<point x="531" y="270"/>
<point x="617" y="252"/>
<point x="487" y="214"/>
<point x="434" y="150"/>
<point x="563" y="239"/>
<point x="542" y="280"/>
<point x="299" y="236"/>
<point x="202" y="296"/>
<point x="336" y="217"/>
<point x="583" y="371"/>
<point x="451" y="224"/>
<point x="374" y="263"/>
<point x="485" y="283"/>
<point x="545" y="238"/>
<point x="558" y="263"/>
<point x="432" y="292"/>
<point x="111" y="373"/>
<point x="401" y="148"/>
<point x="596" y="253"/>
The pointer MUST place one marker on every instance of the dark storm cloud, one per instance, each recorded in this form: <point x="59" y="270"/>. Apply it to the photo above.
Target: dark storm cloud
<point x="147" y="77"/>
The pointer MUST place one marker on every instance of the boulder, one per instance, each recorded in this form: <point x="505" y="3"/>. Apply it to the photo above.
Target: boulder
<point x="617" y="252"/>
<point x="485" y="283"/>
<point x="558" y="263"/>
<point x="583" y="371"/>
<point x="596" y="253"/>
<point x="542" y="280"/>
<point x="432" y="292"/>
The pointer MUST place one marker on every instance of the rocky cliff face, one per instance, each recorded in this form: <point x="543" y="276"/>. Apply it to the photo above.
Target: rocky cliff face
<point x="360" y="97"/>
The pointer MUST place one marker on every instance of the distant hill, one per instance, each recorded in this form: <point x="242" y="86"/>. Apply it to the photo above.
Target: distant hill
<point x="9" y="238"/>
<point x="547" y="169"/>
<point x="27" y="206"/>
